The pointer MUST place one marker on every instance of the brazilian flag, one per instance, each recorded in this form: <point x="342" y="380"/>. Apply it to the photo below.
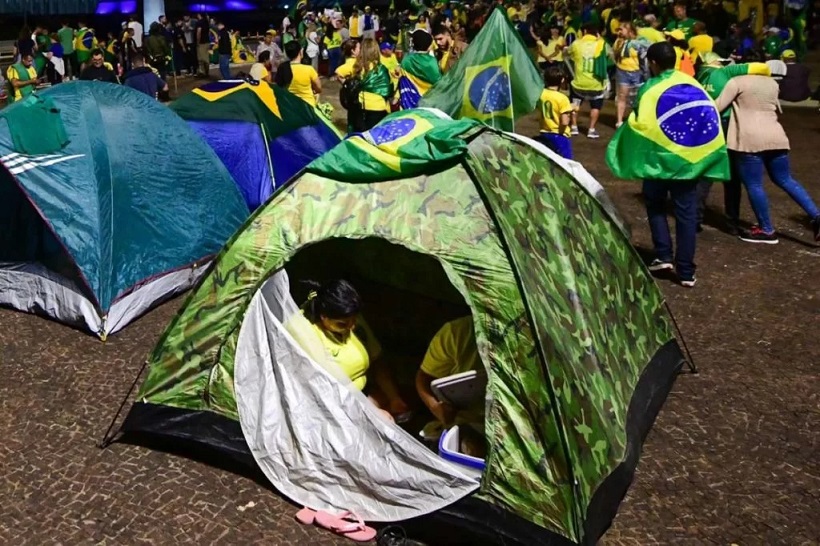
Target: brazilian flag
<point x="404" y="144"/>
<point x="84" y="43"/>
<point x="483" y="85"/>
<point x="674" y="133"/>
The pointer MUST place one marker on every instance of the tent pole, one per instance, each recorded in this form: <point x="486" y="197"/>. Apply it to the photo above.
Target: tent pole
<point x="690" y="363"/>
<point x="270" y="159"/>
<point x="108" y="440"/>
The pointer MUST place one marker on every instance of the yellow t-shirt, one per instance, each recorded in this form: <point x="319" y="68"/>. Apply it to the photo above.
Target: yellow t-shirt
<point x="12" y="75"/>
<point x="583" y="52"/>
<point x="259" y="72"/>
<point x="553" y="45"/>
<point x="701" y="44"/>
<point x="334" y="40"/>
<point x="301" y="86"/>
<point x="354" y="354"/>
<point x="652" y="34"/>
<point x="452" y="350"/>
<point x="371" y="101"/>
<point x="391" y="63"/>
<point x="553" y="104"/>
<point x="354" y="26"/>
<point x="629" y="61"/>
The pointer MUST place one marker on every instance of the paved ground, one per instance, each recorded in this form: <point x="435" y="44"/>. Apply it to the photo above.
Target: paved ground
<point x="733" y="458"/>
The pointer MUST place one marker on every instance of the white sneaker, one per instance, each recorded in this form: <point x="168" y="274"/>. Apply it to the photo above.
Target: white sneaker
<point x="573" y="131"/>
<point x="593" y="133"/>
<point x="619" y="124"/>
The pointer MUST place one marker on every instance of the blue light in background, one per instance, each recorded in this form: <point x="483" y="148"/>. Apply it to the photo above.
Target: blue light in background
<point x="204" y="7"/>
<point x="238" y="5"/>
<point x="125" y="7"/>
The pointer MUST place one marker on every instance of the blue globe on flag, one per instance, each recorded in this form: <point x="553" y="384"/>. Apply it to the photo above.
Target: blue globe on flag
<point x="489" y="91"/>
<point x="391" y="131"/>
<point x="687" y="116"/>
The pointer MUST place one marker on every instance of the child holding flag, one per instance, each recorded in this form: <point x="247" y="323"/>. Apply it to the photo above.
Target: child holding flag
<point x="555" y="111"/>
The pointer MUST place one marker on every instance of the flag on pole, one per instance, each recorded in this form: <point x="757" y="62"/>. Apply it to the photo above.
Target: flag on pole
<point x="483" y="85"/>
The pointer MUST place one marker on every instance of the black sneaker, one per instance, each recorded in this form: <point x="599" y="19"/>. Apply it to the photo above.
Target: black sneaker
<point x="757" y="235"/>
<point x="733" y="228"/>
<point x="660" y="265"/>
<point x="815" y="226"/>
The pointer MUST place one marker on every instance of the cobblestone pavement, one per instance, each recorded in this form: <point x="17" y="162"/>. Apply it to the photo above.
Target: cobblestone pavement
<point x="733" y="458"/>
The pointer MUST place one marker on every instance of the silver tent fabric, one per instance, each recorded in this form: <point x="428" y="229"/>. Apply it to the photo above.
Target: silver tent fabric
<point x="319" y="441"/>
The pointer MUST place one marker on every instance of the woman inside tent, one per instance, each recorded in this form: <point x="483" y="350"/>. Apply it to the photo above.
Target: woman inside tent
<point x="334" y="312"/>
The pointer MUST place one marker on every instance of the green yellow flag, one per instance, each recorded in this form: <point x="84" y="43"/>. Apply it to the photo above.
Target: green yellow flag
<point x="403" y="144"/>
<point x="483" y="84"/>
<point x="673" y="134"/>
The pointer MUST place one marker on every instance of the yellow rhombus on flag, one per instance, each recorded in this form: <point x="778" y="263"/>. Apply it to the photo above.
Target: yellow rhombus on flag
<point x="487" y="91"/>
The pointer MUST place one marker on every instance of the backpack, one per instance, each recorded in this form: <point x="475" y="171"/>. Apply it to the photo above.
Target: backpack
<point x="349" y="94"/>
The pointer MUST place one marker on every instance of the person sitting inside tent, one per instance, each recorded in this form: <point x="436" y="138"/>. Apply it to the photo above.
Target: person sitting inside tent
<point x="452" y="351"/>
<point x="334" y="311"/>
<point x="300" y="79"/>
<point x="260" y="71"/>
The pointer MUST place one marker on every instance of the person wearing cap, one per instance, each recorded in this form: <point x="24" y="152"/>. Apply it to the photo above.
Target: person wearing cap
<point x="448" y="49"/>
<point x="794" y="87"/>
<point x="713" y="76"/>
<point x="388" y="59"/>
<point x="678" y="39"/>
<point x="269" y="44"/>
<point x="681" y="21"/>
<point x="758" y="141"/>
<point x="773" y="44"/>
<point x="701" y="42"/>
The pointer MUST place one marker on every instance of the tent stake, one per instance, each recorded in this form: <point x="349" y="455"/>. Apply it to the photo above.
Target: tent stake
<point x="108" y="440"/>
<point x="690" y="363"/>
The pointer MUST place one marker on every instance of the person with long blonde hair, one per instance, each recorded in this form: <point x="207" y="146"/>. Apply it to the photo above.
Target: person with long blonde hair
<point x="628" y="71"/>
<point x="375" y="88"/>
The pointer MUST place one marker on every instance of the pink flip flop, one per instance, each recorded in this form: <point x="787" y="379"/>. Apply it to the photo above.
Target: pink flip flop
<point x="306" y="516"/>
<point x="346" y="524"/>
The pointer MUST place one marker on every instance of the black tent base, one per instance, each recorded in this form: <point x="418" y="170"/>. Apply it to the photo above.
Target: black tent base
<point x="470" y="521"/>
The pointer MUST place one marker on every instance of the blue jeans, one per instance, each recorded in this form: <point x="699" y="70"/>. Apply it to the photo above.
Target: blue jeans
<point x="225" y="66"/>
<point x="334" y="60"/>
<point x="685" y="200"/>
<point x="750" y="169"/>
<point x="559" y="144"/>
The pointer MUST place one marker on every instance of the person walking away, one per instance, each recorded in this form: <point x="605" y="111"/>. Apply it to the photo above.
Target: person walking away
<point x="139" y="31"/>
<point x="224" y="50"/>
<point x="98" y="70"/>
<point x="759" y="141"/>
<point x="419" y="70"/>
<point x="203" y="45"/>
<point x="629" y="52"/>
<point x="300" y="79"/>
<point x="671" y="140"/>
<point x="145" y="80"/>
<point x="713" y="76"/>
<point x="371" y="104"/>
<point x="55" y="61"/>
<point x="448" y="49"/>
<point x="21" y="78"/>
<point x="261" y="69"/>
<point x="701" y="43"/>
<point x="556" y="111"/>
<point x="66" y="36"/>
<point x="157" y="50"/>
<point x="794" y="87"/>
<point x="587" y="58"/>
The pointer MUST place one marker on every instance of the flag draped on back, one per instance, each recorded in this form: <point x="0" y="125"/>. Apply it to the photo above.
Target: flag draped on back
<point x="419" y="72"/>
<point x="673" y="134"/>
<point x="483" y="85"/>
<point x="403" y="144"/>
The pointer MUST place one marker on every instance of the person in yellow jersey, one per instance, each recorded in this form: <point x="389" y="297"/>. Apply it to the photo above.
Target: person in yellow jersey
<point x="354" y="26"/>
<point x="334" y="312"/>
<point x="701" y="43"/>
<point x="390" y="61"/>
<point x="556" y="112"/>
<point x="300" y="79"/>
<point x="651" y="32"/>
<point x="261" y="69"/>
<point x="333" y="46"/>
<point x="550" y="47"/>
<point x="629" y="73"/>
<point x="376" y="89"/>
<point x="452" y="351"/>
<point x="588" y="61"/>
<point x="22" y="78"/>
<point x="350" y="51"/>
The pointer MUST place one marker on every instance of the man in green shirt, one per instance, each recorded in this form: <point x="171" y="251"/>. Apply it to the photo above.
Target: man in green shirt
<point x="66" y="36"/>
<point x="681" y="21"/>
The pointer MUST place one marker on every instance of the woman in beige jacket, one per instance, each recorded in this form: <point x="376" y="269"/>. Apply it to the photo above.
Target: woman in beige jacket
<point x="757" y="140"/>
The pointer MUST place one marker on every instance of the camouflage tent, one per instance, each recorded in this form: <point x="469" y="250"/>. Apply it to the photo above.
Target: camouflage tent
<point x="570" y="327"/>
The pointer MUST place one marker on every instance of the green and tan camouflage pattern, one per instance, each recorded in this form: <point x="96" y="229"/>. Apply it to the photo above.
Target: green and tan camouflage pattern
<point x="595" y="313"/>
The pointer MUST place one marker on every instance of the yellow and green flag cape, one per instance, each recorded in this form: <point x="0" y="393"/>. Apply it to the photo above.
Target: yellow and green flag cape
<point x="673" y="134"/>
<point x="483" y="85"/>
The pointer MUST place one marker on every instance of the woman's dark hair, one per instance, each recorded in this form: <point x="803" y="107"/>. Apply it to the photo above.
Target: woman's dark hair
<point x="284" y="74"/>
<point x="348" y="47"/>
<point x="333" y="299"/>
<point x="662" y="53"/>
<point x="264" y="56"/>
